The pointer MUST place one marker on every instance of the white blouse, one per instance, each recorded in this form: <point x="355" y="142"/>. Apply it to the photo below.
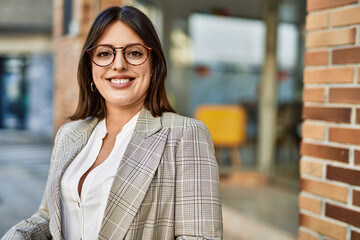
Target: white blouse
<point x="82" y="216"/>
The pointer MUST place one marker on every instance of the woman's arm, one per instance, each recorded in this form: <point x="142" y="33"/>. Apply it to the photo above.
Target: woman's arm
<point x="37" y="226"/>
<point x="198" y="212"/>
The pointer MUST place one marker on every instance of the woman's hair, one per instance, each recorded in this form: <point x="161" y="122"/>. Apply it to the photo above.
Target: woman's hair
<point x="92" y="104"/>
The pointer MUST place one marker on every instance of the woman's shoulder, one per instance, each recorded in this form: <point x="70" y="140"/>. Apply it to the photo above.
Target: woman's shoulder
<point x="182" y="126"/>
<point x="174" y="120"/>
<point x="78" y="126"/>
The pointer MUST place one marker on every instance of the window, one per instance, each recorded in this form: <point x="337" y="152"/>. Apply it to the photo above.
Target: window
<point x="67" y="18"/>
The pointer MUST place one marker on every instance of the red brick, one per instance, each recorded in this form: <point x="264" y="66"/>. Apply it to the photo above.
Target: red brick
<point x="86" y="13"/>
<point x="346" y="55"/>
<point x="347" y="16"/>
<point x="355" y="235"/>
<point x="313" y="5"/>
<point x="326" y="152"/>
<point x="324" y="227"/>
<point x="313" y="94"/>
<point x="330" y="38"/>
<point x="67" y="52"/>
<point x="357" y="157"/>
<point x="329" y="75"/>
<point x="358" y="115"/>
<point x="327" y="114"/>
<point x="343" y="214"/>
<point x="314" y="131"/>
<point x="310" y="204"/>
<point x="344" y="95"/>
<point x="344" y="135"/>
<point x="316" y="58"/>
<point x="356" y="198"/>
<point x="311" y="168"/>
<point x="302" y="235"/>
<point x="345" y="175"/>
<point x="109" y="3"/>
<point x="325" y="189"/>
<point x="317" y="21"/>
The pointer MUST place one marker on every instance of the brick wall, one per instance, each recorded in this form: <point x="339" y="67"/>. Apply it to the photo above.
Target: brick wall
<point x="329" y="201"/>
<point x="67" y="52"/>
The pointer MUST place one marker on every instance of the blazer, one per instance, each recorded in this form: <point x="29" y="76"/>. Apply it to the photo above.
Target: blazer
<point x="166" y="185"/>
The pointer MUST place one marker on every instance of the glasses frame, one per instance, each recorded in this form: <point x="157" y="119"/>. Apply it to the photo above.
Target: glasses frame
<point x="89" y="51"/>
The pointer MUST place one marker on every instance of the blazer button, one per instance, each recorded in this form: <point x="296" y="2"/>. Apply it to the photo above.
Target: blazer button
<point x="78" y="204"/>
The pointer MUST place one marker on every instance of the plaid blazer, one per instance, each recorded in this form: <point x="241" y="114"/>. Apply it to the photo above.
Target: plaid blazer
<point x="166" y="186"/>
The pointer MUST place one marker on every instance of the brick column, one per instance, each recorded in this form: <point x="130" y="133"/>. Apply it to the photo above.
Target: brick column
<point x="67" y="52"/>
<point x="329" y="201"/>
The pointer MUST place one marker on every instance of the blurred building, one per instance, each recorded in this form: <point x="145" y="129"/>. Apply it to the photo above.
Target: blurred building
<point x="26" y="66"/>
<point x="215" y="52"/>
<point x="218" y="52"/>
<point x="221" y="53"/>
<point x="244" y="53"/>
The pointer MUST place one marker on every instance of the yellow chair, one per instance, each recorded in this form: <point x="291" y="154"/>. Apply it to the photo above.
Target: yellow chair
<point x="227" y="125"/>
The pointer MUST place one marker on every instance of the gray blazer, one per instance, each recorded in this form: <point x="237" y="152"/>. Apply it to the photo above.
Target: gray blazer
<point x="166" y="186"/>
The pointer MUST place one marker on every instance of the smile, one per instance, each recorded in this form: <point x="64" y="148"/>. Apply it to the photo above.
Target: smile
<point x="120" y="81"/>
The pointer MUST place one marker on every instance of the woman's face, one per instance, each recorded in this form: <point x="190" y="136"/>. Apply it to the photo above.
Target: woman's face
<point x="122" y="85"/>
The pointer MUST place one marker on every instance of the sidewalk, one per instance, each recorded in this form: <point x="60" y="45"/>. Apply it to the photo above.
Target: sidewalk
<point x="262" y="212"/>
<point x="19" y="137"/>
<point x="237" y="226"/>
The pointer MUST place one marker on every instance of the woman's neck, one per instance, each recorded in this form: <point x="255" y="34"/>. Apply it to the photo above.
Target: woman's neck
<point x="117" y="118"/>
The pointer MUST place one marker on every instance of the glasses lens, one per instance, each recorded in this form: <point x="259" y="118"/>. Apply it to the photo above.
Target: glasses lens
<point x="102" y="55"/>
<point x="136" y="54"/>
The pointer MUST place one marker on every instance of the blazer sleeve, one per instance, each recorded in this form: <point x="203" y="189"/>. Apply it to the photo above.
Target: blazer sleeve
<point x="37" y="226"/>
<point x="198" y="213"/>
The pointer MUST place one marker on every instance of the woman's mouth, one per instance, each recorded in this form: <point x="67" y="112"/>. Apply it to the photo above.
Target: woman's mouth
<point x="121" y="82"/>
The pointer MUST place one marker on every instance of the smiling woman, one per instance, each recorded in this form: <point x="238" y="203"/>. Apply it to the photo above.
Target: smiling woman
<point x="132" y="32"/>
<point x="127" y="166"/>
<point x="122" y="85"/>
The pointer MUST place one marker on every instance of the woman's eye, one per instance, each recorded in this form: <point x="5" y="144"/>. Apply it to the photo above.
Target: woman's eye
<point x="103" y="54"/>
<point x="134" y="54"/>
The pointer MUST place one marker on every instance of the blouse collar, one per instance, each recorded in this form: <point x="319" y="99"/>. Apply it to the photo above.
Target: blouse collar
<point x="129" y="126"/>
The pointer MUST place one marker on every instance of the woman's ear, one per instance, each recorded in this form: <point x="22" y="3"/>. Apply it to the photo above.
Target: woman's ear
<point x="152" y="70"/>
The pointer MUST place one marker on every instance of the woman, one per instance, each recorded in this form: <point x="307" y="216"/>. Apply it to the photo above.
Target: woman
<point x="127" y="167"/>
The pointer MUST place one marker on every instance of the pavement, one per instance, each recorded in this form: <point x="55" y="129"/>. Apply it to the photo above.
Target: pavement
<point x="265" y="212"/>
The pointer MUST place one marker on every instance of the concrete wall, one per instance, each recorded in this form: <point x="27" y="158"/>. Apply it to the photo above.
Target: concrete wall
<point x="330" y="164"/>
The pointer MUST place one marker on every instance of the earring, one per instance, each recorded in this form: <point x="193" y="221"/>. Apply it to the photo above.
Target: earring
<point x="92" y="87"/>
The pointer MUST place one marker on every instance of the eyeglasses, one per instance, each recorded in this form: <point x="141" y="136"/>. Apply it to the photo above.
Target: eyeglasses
<point x="104" y="55"/>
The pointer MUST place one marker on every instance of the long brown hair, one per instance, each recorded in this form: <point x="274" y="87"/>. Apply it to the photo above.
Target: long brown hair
<point x="92" y="104"/>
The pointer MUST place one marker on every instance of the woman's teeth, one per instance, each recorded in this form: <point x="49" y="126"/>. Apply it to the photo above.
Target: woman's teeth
<point x="120" y="81"/>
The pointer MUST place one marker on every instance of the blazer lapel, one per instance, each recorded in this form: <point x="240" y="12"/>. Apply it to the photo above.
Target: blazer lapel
<point x="72" y="143"/>
<point x="134" y="175"/>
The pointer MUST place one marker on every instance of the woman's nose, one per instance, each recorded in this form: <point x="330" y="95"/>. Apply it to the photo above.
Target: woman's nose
<point x="119" y="61"/>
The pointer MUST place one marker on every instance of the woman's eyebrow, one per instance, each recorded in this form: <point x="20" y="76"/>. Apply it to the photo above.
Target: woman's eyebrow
<point x="111" y="45"/>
